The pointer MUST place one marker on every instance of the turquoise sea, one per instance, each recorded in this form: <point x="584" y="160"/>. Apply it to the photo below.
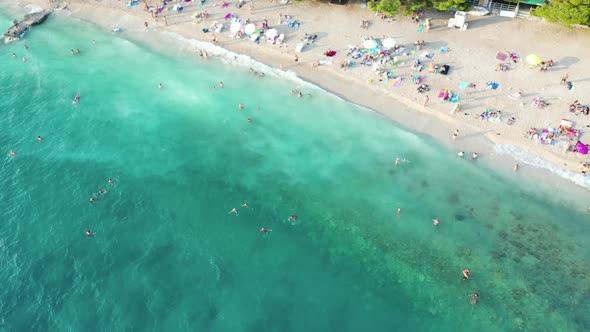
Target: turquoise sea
<point x="167" y="256"/>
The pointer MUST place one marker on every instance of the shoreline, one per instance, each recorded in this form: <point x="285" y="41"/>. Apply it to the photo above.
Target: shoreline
<point x="410" y="114"/>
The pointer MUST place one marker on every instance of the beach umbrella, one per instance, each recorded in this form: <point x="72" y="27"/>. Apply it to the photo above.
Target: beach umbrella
<point x="389" y="42"/>
<point x="370" y="43"/>
<point x="249" y="29"/>
<point x="271" y="33"/>
<point x="582" y="148"/>
<point x="533" y="59"/>
<point x="235" y="27"/>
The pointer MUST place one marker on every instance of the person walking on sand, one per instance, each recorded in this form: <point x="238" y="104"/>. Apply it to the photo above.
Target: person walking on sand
<point x="426" y="99"/>
<point x="145" y="23"/>
<point x="455" y="134"/>
<point x="516" y="167"/>
<point x="234" y="211"/>
<point x="564" y="79"/>
<point x="165" y="21"/>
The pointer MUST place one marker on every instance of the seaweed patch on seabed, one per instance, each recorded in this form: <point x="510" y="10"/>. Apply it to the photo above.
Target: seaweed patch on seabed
<point x="454" y="198"/>
<point x="459" y="216"/>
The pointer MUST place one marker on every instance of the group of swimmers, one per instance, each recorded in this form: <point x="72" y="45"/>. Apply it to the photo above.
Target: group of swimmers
<point x="292" y="219"/>
<point x="473" y="155"/>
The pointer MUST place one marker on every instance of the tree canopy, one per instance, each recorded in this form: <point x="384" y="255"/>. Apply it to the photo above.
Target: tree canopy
<point x="387" y="7"/>
<point x="565" y="11"/>
<point x="448" y="4"/>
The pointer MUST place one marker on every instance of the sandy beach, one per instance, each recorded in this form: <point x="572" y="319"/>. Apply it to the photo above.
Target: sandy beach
<point x="471" y="56"/>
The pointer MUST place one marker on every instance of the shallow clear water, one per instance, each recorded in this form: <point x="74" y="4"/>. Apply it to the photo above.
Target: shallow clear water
<point x="167" y="255"/>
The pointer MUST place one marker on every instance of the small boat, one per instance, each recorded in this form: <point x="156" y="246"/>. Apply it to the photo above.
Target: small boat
<point x="76" y="99"/>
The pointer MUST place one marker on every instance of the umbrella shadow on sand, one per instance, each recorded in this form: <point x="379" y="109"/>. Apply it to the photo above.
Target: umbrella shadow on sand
<point x="567" y="61"/>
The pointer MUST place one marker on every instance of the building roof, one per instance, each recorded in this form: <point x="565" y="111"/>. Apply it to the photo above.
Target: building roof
<point x="533" y="2"/>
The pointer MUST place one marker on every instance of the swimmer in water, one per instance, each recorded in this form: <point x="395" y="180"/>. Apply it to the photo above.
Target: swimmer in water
<point x="241" y="106"/>
<point x="249" y="119"/>
<point x="399" y="211"/>
<point x="461" y="154"/>
<point x="245" y="205"/>
<point x="474" y="155"/>
<point x="102" y="192"/>
<point x="12" y="153"/>
<point x="39" y="138"/>
<point x="234" y="210"/>
<point x="300" y="95"/>
<point x="292" y="91"/>
<point x="89" y="233"/>
<point x="26" y="47"/>
<point x="92" y="199"/>
<point x="264" y="230"/>
<point x="14" y="55"/>
<point x="221" y="84"/>
<point x="111" y="182"/>
<point x="435" y="221"/>
<point x="466" y="274"/>
<point x="24" y="59"/>
<point x="160" y="86"/>
<point x="396" y="162"/>
<point x="475" y="297"/>
<point x="293" y="219"/>
<point x="516" y="167"/>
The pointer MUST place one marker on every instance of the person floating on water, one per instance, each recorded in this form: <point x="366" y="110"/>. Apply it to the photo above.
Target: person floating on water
<point x="89" y="233"/>
<point x="160" y="85"/>
<point x="293" y="219"/>
<point x="516" y="167"/>
<point x="399" y="212"/>
<point x="221" y="84"/>
<point x="92" y="199"/>
<point x="102" y="192"/>
<point x="241" y="106"/>
<point x="466" y="274"/>
<point x="436" y="221"/>
<point x="245" y="205"/>
<point x="474" y="155"/>
<point x="234" y="210"/>
<point x="111" y="182"/>
<point x="475" y="297"/>
<point x="14" y="55"/>
<point x="461" y="154"/>
<point x="12" y="153"/>
<point x="396" y="162"/>
<point x="39" y="138"/>
<point x="264" y="230"/>
<point x="249" y="119"/>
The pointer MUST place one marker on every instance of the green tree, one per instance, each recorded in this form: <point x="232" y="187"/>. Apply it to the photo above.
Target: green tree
<point x="565" y="12"/>
<point x="387" y="7"/>
<point x="411" y="6"/>
<point x="448" y="4"/>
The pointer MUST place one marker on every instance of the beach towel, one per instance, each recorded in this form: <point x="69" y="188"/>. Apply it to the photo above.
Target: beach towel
<point x="501" y="56"/>
<point x="132" y="3"/>
<point x="491" y="85"/>
<point x="570" y="85"/>
<point x="228" y="16"/>
<point x="330" y="53"/>
<point x="455" y="98"/>
<point x="398" y="82"/>
<point x="444" y="50"/>
<point x="464" y="85"/>
<point x="421" y="28"/>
